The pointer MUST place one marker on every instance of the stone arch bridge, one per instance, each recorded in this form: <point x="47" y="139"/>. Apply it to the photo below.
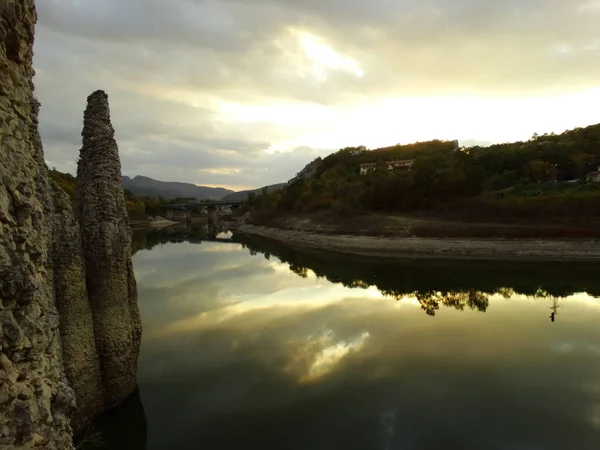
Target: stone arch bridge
<point x="182" y="212"/>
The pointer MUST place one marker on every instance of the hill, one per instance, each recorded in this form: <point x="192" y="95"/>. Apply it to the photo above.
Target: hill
<point x="243" y="195"/>
<point x="148" y="187"/>
<point x="547" y="177"/>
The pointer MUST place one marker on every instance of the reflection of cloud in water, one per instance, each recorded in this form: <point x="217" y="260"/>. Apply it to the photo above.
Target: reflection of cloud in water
<point x="258" y="308"/>
<point x="326" y="360"/>
<point x="256" y="353"/>
<point x="221" y="248"/>
<point x="595" y="416"/>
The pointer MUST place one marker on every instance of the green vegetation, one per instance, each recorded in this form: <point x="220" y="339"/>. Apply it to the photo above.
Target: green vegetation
<point x="65" y="181"/>
<point x="138" y="207"/>
<point x="545" y="175"/>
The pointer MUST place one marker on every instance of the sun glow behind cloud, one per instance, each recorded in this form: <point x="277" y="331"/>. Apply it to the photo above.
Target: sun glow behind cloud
<point x="377" y="121"/>
<point x="387" y="121"/>
<point x="326" y="58"/>
<point x="321" y="75"/>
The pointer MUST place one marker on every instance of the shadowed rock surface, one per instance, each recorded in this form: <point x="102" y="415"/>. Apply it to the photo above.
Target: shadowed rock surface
<point x="79" y="355"/>
<point x="106" y="239"/>
<point x="35" y="401"/>
<point x="82" y="365"/>
<point x="52" y="336"/>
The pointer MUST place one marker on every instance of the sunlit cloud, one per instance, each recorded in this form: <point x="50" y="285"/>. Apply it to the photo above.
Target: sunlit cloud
<point x="228" y="85"/>
<point x="325" y="58"/>
<point x="295" y="298"/>
<point x="330" y="356"/>
<point x="221" y="171"/>
<point x="592" y="6"/>
<point x="207" y="248"/>
<point x="286" y="115"/>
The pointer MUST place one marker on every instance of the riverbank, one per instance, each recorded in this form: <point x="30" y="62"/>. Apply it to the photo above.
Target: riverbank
<point x="438" y="248"/>
<point x="162" y="223"/>
<point x="394" y="225"/>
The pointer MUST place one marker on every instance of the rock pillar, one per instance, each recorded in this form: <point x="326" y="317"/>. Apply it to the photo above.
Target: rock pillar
<point x="81" y="362"/>
<point x="106" y="239"/>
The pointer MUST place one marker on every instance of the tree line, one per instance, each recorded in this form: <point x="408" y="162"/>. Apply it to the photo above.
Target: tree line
<point x="543" y="175"/>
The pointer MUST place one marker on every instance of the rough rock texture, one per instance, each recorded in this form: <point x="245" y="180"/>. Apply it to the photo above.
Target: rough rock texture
<point x="81" y="362"/>
<point x="106" y="242"/>
<point x="309" y="171"/>
<point x="35" y="400"/>
<point x="67" y="275"/>
<point x="50" y="332"/>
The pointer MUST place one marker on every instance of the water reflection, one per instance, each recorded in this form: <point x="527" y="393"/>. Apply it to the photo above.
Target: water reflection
<point x="147" y="239"/>
<point x="240" y="351"/>
<point x="122" y="428"/>
<point x="435" y="283"/>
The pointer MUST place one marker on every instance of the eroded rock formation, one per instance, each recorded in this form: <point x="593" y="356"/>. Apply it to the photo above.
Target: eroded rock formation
<point x="81" y="362"/>
<point x="308" y="171"/>
<point x="35" y="400"/>
<point x="107" y="250"/>
<point x="59" y="345"/>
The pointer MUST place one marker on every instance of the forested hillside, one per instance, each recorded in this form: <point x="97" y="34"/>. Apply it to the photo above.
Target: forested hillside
<point x="542" y="176"/>
<point x="149" y="187"/>
<point x="243" y="195"/>
<point x="138" y="207"/>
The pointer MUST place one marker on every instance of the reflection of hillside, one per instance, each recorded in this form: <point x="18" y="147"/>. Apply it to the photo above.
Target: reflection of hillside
<point x="434" y="283"/>
<point x="148" y="239"/>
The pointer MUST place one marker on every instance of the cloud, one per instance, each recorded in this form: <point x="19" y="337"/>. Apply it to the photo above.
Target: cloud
<point x="212" y="84"/>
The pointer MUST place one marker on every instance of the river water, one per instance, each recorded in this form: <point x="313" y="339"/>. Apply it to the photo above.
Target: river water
<point x="250" y="344"/>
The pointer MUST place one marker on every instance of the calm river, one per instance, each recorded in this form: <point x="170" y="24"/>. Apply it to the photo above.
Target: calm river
<point x="254" y="345"/>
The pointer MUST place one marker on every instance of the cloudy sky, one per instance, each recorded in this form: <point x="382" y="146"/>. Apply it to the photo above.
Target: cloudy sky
<point x="243" y="93"/>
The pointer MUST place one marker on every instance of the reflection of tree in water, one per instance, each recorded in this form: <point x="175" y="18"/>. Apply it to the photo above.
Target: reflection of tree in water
<point x="431" y="301"/>
<point x="298" y="270"/>
<point x="433" y="283"/>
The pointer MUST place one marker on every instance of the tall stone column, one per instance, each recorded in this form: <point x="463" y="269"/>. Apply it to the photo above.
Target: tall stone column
<point x="106" y="239"/>
<point x="35" y="401"/>
<point x="80" y="357"/>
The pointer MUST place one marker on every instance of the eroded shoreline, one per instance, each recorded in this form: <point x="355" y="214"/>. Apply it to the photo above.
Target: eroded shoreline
<point x="436" y="248"/>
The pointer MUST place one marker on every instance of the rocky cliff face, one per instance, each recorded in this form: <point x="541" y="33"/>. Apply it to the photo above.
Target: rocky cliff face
<point x="68" y="312"/>
<point x="309" y="171"/>
<point x="107" y="250"/>
<point x="81" y="361"/>
<point x="35" y="400"/>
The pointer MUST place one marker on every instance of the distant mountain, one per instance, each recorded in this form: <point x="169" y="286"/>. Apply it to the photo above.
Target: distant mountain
<point x="144" y="186"/>
<point x="243" y="195"/>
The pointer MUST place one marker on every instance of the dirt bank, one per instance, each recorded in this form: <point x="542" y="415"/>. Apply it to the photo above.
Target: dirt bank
<point x="394" y="225"/>
<point x="161" y="223"/>
<point x="441" y="248"/>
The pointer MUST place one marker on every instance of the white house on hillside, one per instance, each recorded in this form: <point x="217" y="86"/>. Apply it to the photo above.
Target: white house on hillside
<point x="391" y="165"/>
<point x="593" y="177"/>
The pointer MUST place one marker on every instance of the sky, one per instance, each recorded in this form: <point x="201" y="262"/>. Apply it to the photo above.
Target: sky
<point x="242" y="94"/>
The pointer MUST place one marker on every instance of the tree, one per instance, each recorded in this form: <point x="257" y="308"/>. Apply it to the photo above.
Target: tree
<point x="539" y="170"/>
<point x="581" y="162"/>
